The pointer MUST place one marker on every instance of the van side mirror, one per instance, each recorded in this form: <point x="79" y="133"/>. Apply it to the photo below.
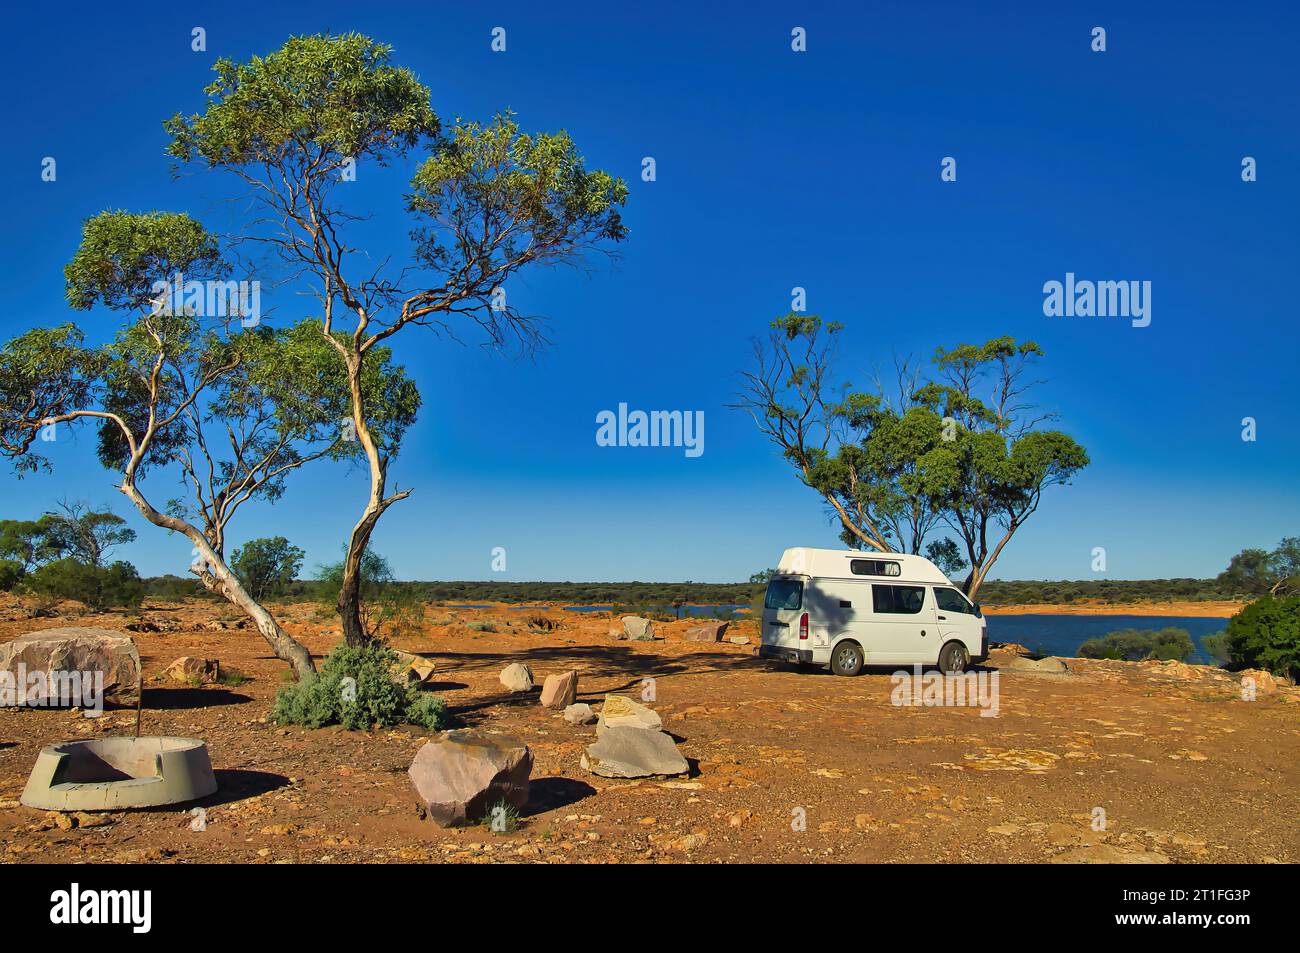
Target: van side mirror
<point x="979" y="613"/>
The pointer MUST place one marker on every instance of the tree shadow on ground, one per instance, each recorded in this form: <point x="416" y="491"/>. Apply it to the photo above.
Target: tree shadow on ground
<point x="547" y="794"/>
<point x="171" y="699"/>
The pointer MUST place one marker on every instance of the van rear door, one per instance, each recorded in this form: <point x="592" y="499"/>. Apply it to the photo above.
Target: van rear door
<point x="782" y="610"/>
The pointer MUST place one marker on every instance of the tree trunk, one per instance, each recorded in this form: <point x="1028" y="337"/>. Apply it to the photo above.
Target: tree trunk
<point x="220" y="579"/>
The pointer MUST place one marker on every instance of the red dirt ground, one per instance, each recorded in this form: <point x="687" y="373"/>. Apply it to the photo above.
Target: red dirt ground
<point x="1182" y="767"/>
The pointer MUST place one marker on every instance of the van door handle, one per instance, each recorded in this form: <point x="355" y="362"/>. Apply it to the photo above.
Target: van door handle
<point x="943" y="618"/>
<point x="923" y="632"/>
<point x="779" y="625"/>
<point x="845" y="605"/>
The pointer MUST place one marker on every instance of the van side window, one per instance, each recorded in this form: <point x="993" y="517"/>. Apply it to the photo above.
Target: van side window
<point x="950" y="600"/>
<point x="904" y="600"/>
<point x="874" y="567"/>
<point x="783" y="594"/>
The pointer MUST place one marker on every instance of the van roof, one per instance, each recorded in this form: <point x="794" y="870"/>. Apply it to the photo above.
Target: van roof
<point x="836" y="564"/>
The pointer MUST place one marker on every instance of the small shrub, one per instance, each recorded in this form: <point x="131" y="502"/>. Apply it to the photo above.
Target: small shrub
<point x="428" y="711"/>
<point x="232" y="676"/>
<point x="1135" y="645"/>
<point x="1218" y="648"/>
<point x="355" y="689"/>
<point x="481" y="626"/>
<point x="501" y="817"/>
<point x="99" y="587"/>
<point x="1266" y="634"/>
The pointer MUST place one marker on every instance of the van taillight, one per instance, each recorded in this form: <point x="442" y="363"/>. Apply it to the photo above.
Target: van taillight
<point x="803" y="626"/>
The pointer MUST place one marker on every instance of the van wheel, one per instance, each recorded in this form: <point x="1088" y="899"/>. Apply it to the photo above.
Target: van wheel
<point x="847" y="659"/>
<point x="953" y="658"/>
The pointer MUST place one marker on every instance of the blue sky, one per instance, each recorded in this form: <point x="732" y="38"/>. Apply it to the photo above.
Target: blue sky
<point x="775" y="169"/>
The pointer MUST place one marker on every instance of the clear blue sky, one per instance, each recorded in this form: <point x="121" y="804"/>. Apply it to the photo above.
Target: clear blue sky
<point x="775" y="169"/>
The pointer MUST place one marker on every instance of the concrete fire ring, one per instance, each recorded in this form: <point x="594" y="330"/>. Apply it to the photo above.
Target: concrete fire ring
<point x="113" y="774"/>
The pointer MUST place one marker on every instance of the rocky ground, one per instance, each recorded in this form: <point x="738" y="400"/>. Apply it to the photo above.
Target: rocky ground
<point x="786" y="764"/>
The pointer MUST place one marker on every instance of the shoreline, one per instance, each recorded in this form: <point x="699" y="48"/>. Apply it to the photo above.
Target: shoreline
<point x="1199" y="610"/>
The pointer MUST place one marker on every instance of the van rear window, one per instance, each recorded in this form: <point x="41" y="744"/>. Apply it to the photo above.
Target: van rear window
<point x="784" y="594"/>
<point x="874" y="567"/>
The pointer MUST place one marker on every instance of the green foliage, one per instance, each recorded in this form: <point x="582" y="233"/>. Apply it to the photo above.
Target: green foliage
<point x="501" y="817"/>
<point x="1135" y="645"/>
<point x="388" y="606"/>
<point x="1266" y="634"/>
<point x="122" y="256"/>
<point x="481" y="626"/>
<point x="332" y="97"/>
<point x="355" y="688"/>
<point x="1219" y="648"/>
<point x="428" y="711"/>
<point x="99" y="587"/>
<point x="266" y="566"/>
<point x="1254" y="572"/>
<point x="536" y="182"/>
<point x="11" y="573"/>
<point x="82" y="533"/>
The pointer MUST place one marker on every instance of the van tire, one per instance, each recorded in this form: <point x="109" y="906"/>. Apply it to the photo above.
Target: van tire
<point x="846" y="658"/>
<point x="953" y="658"/>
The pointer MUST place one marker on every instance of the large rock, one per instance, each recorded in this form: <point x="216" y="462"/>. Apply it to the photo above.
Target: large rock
<point x="560" y="691"/>
<point x="619" y="711"/>
<point x="707" y="632"/>
<point x="517" y="677"/>
<point x="461" y="774"/>
<point x="190" y="670"/>
<point x="411" y="669"/>
<point x="64" y="651"/>
<point x="1012" y="662"/>
<point x="579" y="714"/>
<point x="638" y="629"/>
<point x="633" y="753"/>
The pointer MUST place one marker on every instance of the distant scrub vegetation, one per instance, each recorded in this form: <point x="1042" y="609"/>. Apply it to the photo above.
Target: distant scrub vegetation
<point x="664" y="594"/>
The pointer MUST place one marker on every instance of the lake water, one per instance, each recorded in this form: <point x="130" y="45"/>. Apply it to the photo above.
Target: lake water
<point x="1063" y="634"/>
<point x="1045" y="633"/>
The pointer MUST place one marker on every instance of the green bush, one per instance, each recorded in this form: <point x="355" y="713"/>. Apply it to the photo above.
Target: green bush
<point x="1135" y="645"/>
<point x="1266" y="634"/>
<point x="11" y="573"/>
<point x="481" y="626"/>
<point x="371" y="699"/>
<point x="1219" y="648"/>
<point x="99" y="587"/>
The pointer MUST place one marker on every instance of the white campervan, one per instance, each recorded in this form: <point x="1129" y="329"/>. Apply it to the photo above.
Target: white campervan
<point x="847" y="609"/>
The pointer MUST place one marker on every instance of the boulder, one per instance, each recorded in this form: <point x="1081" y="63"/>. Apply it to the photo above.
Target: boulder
<point x="638" y="629"/>
<point x="617" y="634"/>
<point x="1265" y="682"/>
<point x="63" y="651"/>
<point x="1011" y="662"/>
<point x="619" y="711"/>
<point x="560" y="691"/>
<point x="461" y="774"/>
<point x="633" y="753"/>
<point x="411" y="669"/>
<point x="707" y="632"/>
<point x="579" y="714"/>
<point x="517" y="677"/>
<point x="189" y="670"/>
<point x="738" y="639"/>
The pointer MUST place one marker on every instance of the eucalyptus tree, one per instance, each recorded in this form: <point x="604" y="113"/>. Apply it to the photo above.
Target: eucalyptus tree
<point x="485" y="200"/>
<point x="230" y="410"/>
<point x="963" y="451"/>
